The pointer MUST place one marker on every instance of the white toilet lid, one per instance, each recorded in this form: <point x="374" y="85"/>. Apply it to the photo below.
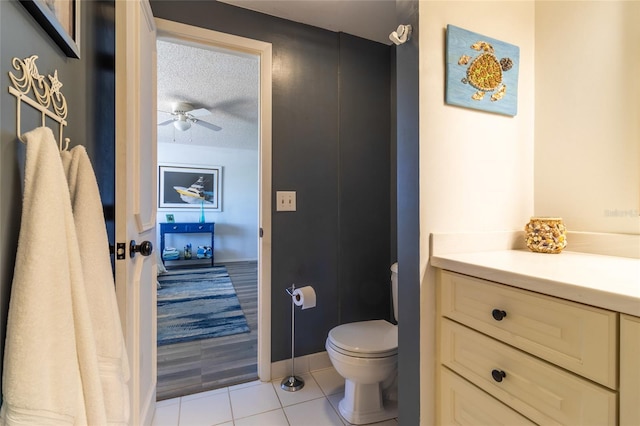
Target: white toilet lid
<point x="376" y="337"/>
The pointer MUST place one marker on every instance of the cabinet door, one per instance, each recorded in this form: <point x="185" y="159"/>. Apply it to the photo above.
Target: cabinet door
<point x="466" y="405"/>
<point x="629" y="370"/>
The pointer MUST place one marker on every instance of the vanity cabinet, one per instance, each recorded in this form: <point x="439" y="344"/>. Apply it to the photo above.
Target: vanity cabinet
<point x="462" y="403"/>
<point x="629" y="370"/>
<point x="525" y="357"/>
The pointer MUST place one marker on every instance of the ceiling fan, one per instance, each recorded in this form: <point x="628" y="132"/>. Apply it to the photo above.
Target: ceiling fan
<point x="184" y="115"/>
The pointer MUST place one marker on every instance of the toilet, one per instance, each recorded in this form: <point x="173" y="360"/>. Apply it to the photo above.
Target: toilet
<point x="365" y="353"/>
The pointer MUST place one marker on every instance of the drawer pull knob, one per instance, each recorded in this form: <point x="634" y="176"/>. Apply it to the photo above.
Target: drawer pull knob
<point x="498" y="375"/>
<point x="498" y="315"/>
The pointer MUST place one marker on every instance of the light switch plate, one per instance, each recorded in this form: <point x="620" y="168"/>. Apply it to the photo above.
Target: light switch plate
<point x="286" y="201"/>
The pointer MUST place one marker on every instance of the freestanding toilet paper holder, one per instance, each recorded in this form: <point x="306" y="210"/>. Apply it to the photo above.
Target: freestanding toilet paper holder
<point x="292" y="383"/>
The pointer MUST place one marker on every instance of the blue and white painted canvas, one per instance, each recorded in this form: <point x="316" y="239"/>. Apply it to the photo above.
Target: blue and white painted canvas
<point x="482" y="72"/>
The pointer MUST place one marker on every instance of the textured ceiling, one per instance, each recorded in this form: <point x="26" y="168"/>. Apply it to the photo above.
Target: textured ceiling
<point x="227" y="83"/>
<point x="224" y="82"/>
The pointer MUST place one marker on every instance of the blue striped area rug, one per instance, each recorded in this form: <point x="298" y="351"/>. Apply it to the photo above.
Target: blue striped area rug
<point x="198" y="304"/>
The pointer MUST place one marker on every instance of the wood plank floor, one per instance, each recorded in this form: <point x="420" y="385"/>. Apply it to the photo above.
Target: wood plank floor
<point x="192" y="367"/>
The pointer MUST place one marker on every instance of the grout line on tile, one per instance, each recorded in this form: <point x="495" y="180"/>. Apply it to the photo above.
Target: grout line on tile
<point x="315" y="381"/>
<point x="303" y="402"/>
<point x="233" y="417"/>
<point x="275" y="388"/>
<point x="285" y="416"/>
<point x="168" y="402"/>
<point x="259" y="414"/>
<point x="204" y="394"/>
<point x="245" y="385"/>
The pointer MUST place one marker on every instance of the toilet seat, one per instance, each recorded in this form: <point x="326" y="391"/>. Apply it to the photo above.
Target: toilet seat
<point x="365" y="339"/>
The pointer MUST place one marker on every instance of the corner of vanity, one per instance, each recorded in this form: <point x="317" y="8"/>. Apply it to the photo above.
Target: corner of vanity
<point x="533" y="338"/>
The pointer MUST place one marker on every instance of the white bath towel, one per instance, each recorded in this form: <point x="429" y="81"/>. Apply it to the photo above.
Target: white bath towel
<point x="50" y="371"/>
<point x="99" y="284"/>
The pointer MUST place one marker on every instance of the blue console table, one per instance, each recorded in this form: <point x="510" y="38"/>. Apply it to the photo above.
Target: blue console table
<point x="187" y="228"/>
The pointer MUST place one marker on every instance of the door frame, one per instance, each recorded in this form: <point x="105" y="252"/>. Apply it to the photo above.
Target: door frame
<point x="196" y="36"/>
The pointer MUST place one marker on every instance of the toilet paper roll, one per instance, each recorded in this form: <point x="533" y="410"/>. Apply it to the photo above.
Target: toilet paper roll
<point x="305" y="297"/>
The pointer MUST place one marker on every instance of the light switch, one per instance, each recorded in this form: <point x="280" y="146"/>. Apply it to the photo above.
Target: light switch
<point x="286" y="201"/>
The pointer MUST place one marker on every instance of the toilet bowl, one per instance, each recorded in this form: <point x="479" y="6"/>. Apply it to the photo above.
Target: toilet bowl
<point x="365" y="353"/>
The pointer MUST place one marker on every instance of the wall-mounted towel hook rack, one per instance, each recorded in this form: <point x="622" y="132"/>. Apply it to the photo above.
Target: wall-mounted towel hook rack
<point x="46" y="94"/>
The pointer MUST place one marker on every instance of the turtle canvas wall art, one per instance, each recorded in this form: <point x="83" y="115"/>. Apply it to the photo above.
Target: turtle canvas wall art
<point x="482" y="72"/>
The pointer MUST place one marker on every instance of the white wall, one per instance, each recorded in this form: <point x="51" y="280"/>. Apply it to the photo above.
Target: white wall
<point x="476" y="168"/>
<point x="236" y="226"/>
<point x="572" y="151"/>
<point x="587" y="150"/>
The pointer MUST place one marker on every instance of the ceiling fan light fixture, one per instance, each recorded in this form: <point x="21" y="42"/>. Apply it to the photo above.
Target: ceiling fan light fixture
<point x="182" y="124"/>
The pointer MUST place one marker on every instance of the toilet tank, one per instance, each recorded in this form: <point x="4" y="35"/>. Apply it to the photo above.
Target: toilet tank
<point x="394" y="289"/>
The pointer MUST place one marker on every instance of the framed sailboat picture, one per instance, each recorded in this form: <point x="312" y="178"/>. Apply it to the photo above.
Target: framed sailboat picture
<point x="190" y="188"/>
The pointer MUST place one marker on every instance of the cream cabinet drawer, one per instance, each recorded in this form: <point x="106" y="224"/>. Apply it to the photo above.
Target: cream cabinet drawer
<point x="464" y="404"/>
<point x="580" y="338"/>
<point x="538" y="390"/>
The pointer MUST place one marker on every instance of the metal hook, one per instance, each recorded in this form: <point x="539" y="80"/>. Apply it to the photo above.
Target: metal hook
<point x="29" y="80"/>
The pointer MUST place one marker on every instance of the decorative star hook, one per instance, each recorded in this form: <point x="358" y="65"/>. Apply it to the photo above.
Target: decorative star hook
<point x="55" y="83"/>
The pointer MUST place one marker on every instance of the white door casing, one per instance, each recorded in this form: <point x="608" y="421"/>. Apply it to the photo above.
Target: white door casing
<point x="195" y="36"/>
<point x="136" y="197"/>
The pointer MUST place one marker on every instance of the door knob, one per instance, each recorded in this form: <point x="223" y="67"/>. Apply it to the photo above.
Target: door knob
<point x="145" y="248"/>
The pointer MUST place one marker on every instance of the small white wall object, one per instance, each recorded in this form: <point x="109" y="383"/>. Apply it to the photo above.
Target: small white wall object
<point x="401" y="35"/>
<point x="286" y="201"/>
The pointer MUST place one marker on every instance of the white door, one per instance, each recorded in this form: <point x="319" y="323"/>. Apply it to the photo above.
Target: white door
<point x="136" y="197"/>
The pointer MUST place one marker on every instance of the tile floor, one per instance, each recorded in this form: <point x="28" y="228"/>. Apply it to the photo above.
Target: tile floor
<point x="261" y="404"/>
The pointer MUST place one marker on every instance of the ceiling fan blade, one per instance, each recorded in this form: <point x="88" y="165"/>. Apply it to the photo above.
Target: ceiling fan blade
<point x="208" y="125"/>
<point x="241" y="108"/>
<point x="234" y="104"/>
<point x="200" y="112"/>
<point x="164" y="123"/>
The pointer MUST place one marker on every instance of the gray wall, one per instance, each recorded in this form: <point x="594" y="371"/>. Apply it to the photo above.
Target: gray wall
<point x="364" y="175"/>
<point x="332" y="143"/>
<point x="89" y="90"/>
<point x="408" y="146"/>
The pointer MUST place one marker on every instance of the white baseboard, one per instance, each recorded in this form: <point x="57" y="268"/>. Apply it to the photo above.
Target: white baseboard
<point x="303" y="364"/>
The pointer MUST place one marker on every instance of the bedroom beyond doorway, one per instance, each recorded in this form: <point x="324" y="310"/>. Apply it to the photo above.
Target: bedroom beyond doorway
<point x="199" y="365"/>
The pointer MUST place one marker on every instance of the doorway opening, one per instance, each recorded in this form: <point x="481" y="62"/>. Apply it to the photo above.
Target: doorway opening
<point x="214" y="103"/>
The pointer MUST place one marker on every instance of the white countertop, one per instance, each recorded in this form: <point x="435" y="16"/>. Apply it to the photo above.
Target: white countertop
<point x="607" y="282"/>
